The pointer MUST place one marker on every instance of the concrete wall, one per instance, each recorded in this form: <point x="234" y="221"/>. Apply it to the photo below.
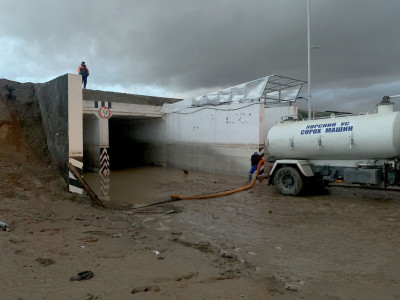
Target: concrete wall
<point x="53" y="101"/>
<point x="75" y="116"/>
<point x="274" y="114"/>
<point x="219" y="159"/>
<point x="75" y="130"/>
<point x="223" y="124"/>
<point x="60" y="103"/>
<point x="219" y="139"/>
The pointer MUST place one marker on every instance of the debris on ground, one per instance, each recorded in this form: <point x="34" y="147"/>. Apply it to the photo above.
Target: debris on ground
<point x="91" y="240"/>
<point x="226" y="254"/>
<point x="188" y="276"/>
<point x="145" y="289"/>
<point x="176" y="232"/>
<point x="158" y="254"/>
<point x="92" y="297"/>
<point x="290" y="287"/>
<point x="4" y="226"/>
<point x="44" y="261"/>
<point x="84" y="275"/>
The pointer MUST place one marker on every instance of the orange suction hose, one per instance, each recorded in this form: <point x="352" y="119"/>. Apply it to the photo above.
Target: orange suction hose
<point x="225" y="193"/>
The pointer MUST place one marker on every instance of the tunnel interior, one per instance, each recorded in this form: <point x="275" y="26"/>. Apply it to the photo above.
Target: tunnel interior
<point x="91" y="143"/>
<point x="130" y="146"/>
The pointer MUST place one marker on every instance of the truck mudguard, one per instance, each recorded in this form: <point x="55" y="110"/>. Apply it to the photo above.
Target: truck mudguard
<point x="303" y="166"/>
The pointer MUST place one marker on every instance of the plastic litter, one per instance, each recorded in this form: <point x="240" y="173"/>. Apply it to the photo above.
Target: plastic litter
<point x="4" y="226"/>
<point x="84" y="275"/>
<point x="226" y="254"/>
<point x="290" y="287"/>
<point x="158" y="254"/>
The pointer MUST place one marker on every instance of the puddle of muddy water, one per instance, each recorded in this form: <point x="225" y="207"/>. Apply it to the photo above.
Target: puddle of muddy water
<point x="146" y="185"/>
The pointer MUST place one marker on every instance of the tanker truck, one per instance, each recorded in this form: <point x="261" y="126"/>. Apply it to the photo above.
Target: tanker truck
<point x="352" y="149"/>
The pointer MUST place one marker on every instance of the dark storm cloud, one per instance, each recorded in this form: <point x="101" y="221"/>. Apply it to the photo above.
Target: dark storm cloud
<point x="181" y="48"/>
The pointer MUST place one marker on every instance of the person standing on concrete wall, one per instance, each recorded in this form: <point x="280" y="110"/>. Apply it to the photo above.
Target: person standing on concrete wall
<point x="84" y="71"/>
<point x="255" y="159"/>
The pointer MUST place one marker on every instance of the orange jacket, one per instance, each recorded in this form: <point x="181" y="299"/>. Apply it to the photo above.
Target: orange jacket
<point x="80" y="70"/>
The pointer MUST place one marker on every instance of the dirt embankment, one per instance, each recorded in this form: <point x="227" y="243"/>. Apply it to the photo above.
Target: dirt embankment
<point x="21" y="129"/>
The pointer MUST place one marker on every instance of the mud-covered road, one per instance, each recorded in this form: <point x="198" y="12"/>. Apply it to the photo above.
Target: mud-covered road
<point x="343" y="244"/>
<point x="256" y="244"/>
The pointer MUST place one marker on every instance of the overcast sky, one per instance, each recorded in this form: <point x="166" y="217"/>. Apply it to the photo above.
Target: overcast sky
<point x="186" y="48"/>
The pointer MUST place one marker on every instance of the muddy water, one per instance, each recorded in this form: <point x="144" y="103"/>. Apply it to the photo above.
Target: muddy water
<point x="341" y="244"/>
<point x="146" y="185"/>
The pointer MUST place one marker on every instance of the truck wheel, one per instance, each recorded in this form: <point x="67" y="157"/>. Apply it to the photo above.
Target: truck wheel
<point x="288" y="181"/>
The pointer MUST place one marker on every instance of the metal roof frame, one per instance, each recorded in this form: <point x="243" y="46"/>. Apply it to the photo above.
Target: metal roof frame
<point x="273" y="89"/>
<point x="276" y="84"/>
<point x="269" y="89"/>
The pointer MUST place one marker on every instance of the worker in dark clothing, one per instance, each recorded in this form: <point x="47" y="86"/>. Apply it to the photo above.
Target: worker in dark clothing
<point x="84" y="71"/>
<point x="255" y="159"/>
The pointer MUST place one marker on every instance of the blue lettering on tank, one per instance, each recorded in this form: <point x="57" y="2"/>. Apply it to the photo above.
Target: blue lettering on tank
<point x="329" y="128"/>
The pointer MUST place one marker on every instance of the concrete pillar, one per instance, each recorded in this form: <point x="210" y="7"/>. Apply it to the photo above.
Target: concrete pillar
<point x="75" y="130"/>
<point x="104" y="158"/>
<point x="261" y="135"/>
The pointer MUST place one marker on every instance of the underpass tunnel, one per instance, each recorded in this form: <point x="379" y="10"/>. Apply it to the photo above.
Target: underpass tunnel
<point x="119" y="136"/>
<point x="135" y="141"/>
<point x="95" y="142"/>
<point x="91" y="142"/>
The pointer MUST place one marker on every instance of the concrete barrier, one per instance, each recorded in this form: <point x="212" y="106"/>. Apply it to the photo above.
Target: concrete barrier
<point x="60" y="102"/>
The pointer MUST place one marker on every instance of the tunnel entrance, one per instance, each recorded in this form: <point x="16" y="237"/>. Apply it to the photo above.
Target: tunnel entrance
<point x="132" y="143"/>
<point x="125" y="140"/>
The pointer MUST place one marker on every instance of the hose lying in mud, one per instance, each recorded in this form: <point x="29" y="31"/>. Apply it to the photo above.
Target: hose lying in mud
<point x="208" y="196"/>
<point x="225" y="193"/>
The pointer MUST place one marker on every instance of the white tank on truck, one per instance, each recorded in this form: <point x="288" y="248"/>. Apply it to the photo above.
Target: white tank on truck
<point x="360" y="149"/>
